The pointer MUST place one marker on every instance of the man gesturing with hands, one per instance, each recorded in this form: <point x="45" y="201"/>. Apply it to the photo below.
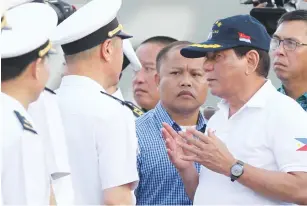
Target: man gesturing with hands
<point x="209" y="151"/>
<point x="257" y="153"/>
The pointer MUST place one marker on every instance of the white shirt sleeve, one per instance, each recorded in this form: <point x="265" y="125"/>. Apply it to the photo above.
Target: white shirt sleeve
<point x="290" y="140"/>
<point x="117" y="152"/>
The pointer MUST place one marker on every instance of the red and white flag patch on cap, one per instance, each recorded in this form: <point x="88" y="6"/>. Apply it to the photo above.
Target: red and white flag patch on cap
<point x="244" y="37"/>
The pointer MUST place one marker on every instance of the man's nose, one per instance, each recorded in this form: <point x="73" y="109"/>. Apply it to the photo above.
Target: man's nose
<point x="279" y="50"/>
<point x="139" y="77"/>
<point x="186" y="80"/>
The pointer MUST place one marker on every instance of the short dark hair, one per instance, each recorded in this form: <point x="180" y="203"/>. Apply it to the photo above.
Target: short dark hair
<point x="264" y="59"/>
<point x="10" y="72"/>
<point x="14" y="67"/>
<point x="163" y="53"/>
<point x="297" y="15"/>
<point x="165" y="40"/>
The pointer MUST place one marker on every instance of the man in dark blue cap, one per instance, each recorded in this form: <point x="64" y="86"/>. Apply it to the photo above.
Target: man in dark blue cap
<point x="254" y="150"/>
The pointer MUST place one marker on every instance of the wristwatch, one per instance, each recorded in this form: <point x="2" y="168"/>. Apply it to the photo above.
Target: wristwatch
<point x="236" y="170"/>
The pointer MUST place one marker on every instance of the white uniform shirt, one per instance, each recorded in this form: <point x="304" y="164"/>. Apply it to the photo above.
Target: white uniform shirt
<point x="46" y="115"/>
<point x="25" y="179"/>
<point x="101" y="141"/>
<point x="118" y="94"/>
<point x="264" y="133"/>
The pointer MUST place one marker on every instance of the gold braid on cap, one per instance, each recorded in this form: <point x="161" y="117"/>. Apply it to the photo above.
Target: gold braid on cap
<point x="114" y="31"/>
<point x="45" y="50"/>
<point x="3" y="22"/>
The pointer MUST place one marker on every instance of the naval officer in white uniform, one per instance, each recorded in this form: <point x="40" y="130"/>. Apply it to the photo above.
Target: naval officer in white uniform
<point x="24" y="49"/>
<point x="101" y="141"/>
<point x="131" y="60"/>
<point x="45" y="113"/>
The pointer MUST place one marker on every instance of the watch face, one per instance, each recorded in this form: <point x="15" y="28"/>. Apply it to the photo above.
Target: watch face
<point x="236" y="170"/>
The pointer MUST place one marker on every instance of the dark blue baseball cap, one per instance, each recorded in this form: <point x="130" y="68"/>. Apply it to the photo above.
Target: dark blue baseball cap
<point x="231" y="32"/>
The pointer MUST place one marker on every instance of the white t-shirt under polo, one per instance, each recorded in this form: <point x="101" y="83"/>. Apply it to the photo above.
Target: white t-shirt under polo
<point x="267" y="132"/>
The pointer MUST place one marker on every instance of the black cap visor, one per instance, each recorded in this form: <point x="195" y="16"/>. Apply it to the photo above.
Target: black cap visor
<point x="123" y="35"/>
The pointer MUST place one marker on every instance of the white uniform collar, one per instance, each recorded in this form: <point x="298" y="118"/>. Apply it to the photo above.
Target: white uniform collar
<point x="118" y="94"/>
<point x="13" y="102"/>
<point x="83" y="81"/>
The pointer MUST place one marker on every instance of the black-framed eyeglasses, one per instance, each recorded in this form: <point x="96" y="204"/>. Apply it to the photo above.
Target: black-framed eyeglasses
<point x="288" y="44"/>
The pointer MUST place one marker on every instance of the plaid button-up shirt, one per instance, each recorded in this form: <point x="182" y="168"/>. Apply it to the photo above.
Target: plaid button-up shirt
<point x="160" y="183"/>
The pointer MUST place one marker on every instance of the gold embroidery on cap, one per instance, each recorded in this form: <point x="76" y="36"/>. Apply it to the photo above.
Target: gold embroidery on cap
<point x="218" y="23"/>
<point x="44" y="51"/>
<point x="206" y="45"/>
<point x="114" y="31"/>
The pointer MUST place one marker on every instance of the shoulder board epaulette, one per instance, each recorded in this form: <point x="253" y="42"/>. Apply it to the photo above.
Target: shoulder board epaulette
<point x="50" y="90"/>
<point x="115" y="98"/>
<point x="135" y="109"/>
<point x="26" y="125"/>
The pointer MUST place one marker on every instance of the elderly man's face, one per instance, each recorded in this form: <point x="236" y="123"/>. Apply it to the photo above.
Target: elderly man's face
<point x="225" y="73"/>
<point x="183" y="86"/>
<point x="291" y="64"/>
<point x="145" y="90"/>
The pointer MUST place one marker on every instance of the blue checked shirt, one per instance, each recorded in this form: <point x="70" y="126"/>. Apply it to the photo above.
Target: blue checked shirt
<point x="160" y="183"/>
<point x="302" y="100"/>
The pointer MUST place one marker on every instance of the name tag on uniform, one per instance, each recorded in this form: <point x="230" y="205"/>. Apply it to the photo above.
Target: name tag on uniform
<point x="26" y="125"/>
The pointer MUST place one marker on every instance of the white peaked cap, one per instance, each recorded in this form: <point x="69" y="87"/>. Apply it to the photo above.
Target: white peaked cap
<point x="89" y="26"/>
<point x="131" y="55"/>
<point x="30" y="27"/>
